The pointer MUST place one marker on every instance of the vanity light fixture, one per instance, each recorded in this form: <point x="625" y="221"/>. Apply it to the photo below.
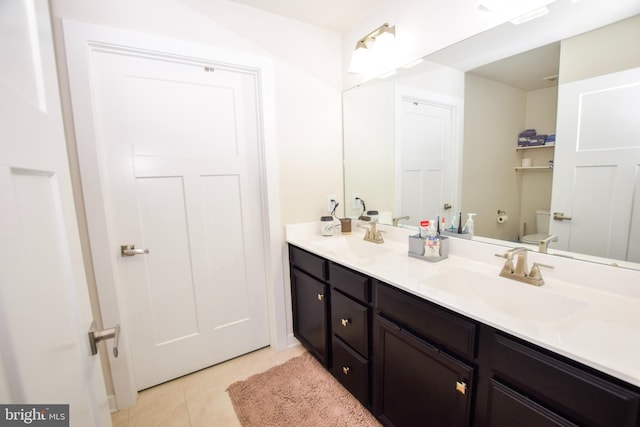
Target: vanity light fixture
<point x="361" y="57"/>
<point x="373" y="49"/>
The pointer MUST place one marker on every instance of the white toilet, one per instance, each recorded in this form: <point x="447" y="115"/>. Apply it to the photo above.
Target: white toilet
<point x="542" y="228"/>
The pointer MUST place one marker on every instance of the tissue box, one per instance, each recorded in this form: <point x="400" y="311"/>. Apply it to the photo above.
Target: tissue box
<point x="416" y="248"/>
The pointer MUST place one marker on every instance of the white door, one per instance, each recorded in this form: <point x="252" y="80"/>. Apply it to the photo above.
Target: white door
<point x="181" y="161"/>
<point x="425" y="149"/>
<point x="44" y="303"/>
<point x="597" y="157"/>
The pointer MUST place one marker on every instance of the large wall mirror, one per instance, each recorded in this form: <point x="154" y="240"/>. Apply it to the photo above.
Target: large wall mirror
<point x="442" y="137"/>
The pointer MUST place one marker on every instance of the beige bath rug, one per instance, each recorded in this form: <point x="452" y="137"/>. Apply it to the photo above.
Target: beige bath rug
<point x="297" y="393"/>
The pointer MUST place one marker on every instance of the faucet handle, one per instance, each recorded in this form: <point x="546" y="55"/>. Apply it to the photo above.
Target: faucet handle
<point x="535" y="270"/>
<point x="538" y="264"/>
<point x="507" y="268"/>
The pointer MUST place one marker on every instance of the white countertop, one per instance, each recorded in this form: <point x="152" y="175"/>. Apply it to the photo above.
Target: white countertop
<point x="587" y="312"/>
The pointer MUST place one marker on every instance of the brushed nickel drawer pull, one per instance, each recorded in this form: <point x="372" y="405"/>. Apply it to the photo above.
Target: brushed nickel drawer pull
<point x="345" y="322"/>
<point x="461" y="387"/>
<point x="320" y="297"/>
<point x="346" y="370"/>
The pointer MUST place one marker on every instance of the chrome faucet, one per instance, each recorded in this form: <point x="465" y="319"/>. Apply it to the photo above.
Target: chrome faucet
<point x="397" y="220"/>
<point x="544" y="243"/>
<point x="372" y="234"/>
<point x="519" y="272"/>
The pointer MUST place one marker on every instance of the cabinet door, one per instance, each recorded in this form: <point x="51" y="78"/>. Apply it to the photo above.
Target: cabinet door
<point x="309" y="298"/>
<point x="415" y="383"/>
<point x="509" y="408"/>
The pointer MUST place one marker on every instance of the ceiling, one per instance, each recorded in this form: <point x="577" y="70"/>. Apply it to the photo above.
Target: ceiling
<point x="334" y="15"/>
<point x="532" y="70"/>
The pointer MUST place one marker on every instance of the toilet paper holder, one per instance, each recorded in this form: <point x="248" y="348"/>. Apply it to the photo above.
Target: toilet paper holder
<point x="502" y="216"/>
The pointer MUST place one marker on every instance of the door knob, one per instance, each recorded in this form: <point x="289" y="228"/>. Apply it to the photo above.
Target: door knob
<point x="130" y="250"/>
<point x="96" y="336"/>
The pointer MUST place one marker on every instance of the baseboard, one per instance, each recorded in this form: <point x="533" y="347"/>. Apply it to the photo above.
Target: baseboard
<point x="113" y="406"/>
<point x="292" y="341"/>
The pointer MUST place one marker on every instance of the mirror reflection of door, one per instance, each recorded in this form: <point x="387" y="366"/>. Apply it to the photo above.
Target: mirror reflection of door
<point x="596" y="180"/>
<point x="424" y="148"/>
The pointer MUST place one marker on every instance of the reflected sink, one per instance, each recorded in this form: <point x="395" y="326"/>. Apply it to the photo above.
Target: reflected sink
<point x="352" y="248"/>
<point x="516" y="299"/>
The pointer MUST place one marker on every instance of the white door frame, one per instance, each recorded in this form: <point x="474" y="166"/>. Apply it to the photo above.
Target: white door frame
<point x="81" y="41"/>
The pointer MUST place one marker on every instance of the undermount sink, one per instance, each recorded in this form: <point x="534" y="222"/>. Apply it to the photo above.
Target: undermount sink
<point x="352" y="247"/>
<point x="513" y="298"/>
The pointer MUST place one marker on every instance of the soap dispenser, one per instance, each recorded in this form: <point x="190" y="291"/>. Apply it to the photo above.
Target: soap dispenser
<point x="469" y="226"/>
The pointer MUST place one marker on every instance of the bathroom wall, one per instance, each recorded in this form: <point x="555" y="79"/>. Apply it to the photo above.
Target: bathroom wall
<point x="609" y="49"/>
<point x="494" y="115"/>
<point x="535" y="189"/>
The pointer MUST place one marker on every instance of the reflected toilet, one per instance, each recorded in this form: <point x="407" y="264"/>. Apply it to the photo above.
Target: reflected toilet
<point x="542" y="228"/>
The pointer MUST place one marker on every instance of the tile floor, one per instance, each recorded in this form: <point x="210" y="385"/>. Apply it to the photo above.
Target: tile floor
<point x="199" y="399"/>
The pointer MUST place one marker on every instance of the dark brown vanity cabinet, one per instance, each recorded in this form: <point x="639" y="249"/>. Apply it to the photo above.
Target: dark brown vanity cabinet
<point x="418" y="378"/>
<point x="415" y="363"/>
<point x="310" y="303"/>
<point x="350" y="327"/>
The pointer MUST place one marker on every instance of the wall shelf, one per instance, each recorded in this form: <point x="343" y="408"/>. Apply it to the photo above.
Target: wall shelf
<point x="527" y="168"/>
<point x="535" y="147"/>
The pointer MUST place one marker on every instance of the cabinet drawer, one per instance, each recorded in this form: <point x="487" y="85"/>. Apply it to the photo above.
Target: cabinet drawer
<point x="352" y="370"/>
<point x="350" y="282"/>
<point x="509" y="408"/>
<point x="428" y="320"/>
<point x="350" y="321"/>
<point x="308" y="262"/>
<point x="573" y="392"/>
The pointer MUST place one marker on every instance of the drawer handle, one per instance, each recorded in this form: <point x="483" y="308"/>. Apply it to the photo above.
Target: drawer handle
<point x="346" y="370"/>
<point x="320" y="297"/>
<point x="461" y="387"/>
<point x="345" y="322"/>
